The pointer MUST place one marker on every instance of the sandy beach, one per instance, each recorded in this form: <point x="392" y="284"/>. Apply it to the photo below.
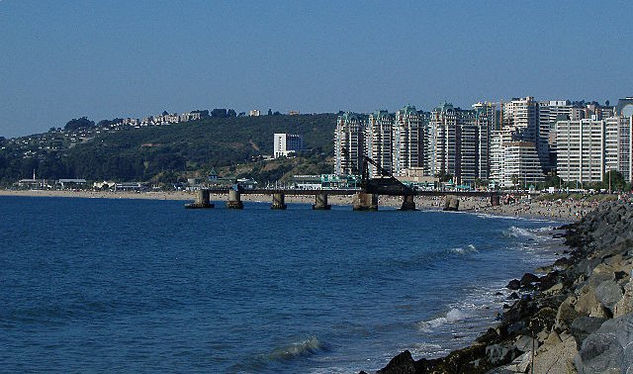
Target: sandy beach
<point x="565" y="210"/>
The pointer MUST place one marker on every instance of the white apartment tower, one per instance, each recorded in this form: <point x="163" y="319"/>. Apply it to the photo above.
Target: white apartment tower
<point x="458" y="143"/>
<point x="379" y="140"/>
<point x="286" y="144"/>
<point x="580" y="147"/>
<point x="408" y="139"/>
<point x="349" y="147"/>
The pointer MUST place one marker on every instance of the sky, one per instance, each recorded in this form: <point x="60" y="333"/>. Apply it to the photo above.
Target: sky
<point x="117" y="58"/>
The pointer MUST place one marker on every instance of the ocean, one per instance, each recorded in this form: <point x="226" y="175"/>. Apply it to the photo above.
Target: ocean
<point x="93" y="285"/>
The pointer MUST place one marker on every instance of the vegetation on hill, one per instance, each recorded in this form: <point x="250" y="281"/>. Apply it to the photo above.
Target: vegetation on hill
<point x="180" y="149"/>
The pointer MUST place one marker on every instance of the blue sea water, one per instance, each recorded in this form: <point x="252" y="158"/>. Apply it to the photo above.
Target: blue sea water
<point x="93" y="285"/>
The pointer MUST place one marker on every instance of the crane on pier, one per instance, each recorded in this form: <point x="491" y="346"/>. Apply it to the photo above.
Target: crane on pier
<point x="384" y="184"/>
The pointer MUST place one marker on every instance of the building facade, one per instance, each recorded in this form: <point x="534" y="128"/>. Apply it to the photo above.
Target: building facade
<point x="379" y="140"/>
<point x="349" y="144"/>
<point x="286" y="144"/>
<point x="408" y="140"/>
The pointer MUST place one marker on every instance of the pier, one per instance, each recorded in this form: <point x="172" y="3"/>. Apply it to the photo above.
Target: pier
<point x="364" y="198"/>
<point x="361" y="200"/>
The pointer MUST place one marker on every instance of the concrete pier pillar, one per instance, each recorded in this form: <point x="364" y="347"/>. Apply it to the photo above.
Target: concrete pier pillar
<point x="494" y="199"/>
<point x="320" y="202"/>
<point x="451" y="202"/>
<point x="234" y="201"/>
<point x="202" y="200"/>
<point x="365" y="201"/>
<point x="408" y="203"/>
<point x="278" y="201"/>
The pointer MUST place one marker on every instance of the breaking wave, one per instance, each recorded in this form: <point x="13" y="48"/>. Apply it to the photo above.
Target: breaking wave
<point x="305" y="347"/>
<point x="453" y="315"/>
<point x="467" y="250"/>
<point x="534" y="234"/>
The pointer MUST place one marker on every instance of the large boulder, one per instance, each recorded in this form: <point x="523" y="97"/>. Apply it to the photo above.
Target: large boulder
<point x="498" y="354"/>
<point x="401" y="364"/>
<point x="582" y="326"/>
<point x="556" y="358"/>
<point x="625" y="305"/>
<point x="609" y="293"/>
<point x="609" y="348"/>
<point x="588" y="304"/>
<point x="514" y="285"/>
<point x="527" y="279"/>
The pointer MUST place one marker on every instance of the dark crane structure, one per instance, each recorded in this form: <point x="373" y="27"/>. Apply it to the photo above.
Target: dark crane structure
<point x="384" y="184"/>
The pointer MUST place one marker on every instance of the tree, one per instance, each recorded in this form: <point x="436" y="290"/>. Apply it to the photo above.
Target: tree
<point x="617" y="181"/>
<point x="231" y="113"/>
<point x="515" y="180"/>
<point x="78" y="123"/>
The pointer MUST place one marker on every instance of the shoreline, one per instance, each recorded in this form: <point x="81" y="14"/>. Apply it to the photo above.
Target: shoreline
<point x="563" y="211"/>
<point x="577" y="318"/>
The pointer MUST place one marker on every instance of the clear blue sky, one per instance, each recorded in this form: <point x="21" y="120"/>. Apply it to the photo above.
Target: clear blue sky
<point x="104" y="59"/>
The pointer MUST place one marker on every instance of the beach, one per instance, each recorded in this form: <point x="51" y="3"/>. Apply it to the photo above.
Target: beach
<point x="563" y="210"/>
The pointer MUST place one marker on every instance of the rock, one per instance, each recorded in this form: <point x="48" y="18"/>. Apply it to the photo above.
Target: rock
<point x="556" y="358"/>
<point x="562" y="262"/>
<point x="514" y="285"/>
<point x="549" y="280"/>
<point x="607" y="348"/>
<point x="582" y="326"/>
<point x="401" y="364"/>
<point x="499" y="354"/>
<point x="566" y="313"/>
<point x="524" y="343"/>
<point x="599" y="353"/>
<point x="555" y="289"/>
<point x="513" y="296"/>
<point x="625" y="305"/>
<point x="543" y="319"/>
<point x="589" y="305"/>
<point x="553" y="338"/>
<point x="527" y="279"/>
<point x="498" y="293"/>
<point x="609" y="293"/>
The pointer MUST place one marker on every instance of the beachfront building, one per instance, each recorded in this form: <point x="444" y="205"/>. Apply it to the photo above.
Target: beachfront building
<point x="286" y="144"/>
<point x="521" y="165"/>
<point x="580" y="148"/>
<point x="617" y="148"/>
<point x="349" y="148"/>
<point x="379" y="141"/>
<point x="590" y="147"/>
<point x="458" y="143"/>
<point x="408" y="140"/>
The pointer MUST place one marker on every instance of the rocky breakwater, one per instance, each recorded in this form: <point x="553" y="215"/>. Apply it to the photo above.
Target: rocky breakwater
<point x="578" y="318"/>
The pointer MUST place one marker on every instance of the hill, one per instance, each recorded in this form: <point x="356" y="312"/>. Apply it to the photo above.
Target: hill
<point x="147" y="153"/>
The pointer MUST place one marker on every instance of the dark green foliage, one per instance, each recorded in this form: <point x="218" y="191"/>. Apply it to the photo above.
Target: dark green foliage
<point x="145" y="153"/>
<point x="78" y="123"/>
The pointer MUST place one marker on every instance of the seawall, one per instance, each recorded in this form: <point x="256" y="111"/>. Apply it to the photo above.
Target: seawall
<point x="578" y="318"/>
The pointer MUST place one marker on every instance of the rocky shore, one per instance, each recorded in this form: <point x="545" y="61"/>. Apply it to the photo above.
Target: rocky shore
<point x="577" y="318"/>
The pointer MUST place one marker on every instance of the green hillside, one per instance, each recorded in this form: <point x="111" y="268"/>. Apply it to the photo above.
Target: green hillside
<point x="148" y="152"/>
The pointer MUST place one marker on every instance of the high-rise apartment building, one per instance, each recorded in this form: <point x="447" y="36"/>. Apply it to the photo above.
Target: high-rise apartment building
<point x="379" y="140"/>
<point x="617" y="148"/>
<point x="581" y="150"/>
<point x="286" y="144"/>
<point x="588" y="148"/>
<point x="349" y="147"/>
<point x="458" y="143"/>
<point x="408" y="140"/>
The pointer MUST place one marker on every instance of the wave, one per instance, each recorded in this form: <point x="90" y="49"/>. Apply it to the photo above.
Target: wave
<point x="452" y="316"/>
<point x="463" y="251"/>
<point x="305" y="347"/>
<point x="541" y="233"/>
